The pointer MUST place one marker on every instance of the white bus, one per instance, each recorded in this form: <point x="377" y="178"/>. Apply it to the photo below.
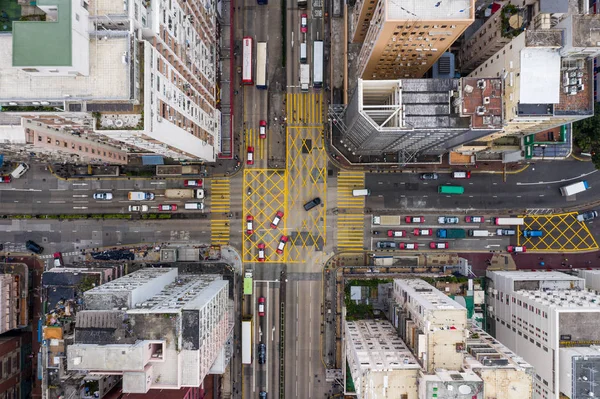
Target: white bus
<point x="247" y="342"/>
<point x="318" y="64"/>
<point x="574" y="188"/>
<point x="261" y="65"/>
<point x="509" y="221"/>
<point x="247" y="61"/>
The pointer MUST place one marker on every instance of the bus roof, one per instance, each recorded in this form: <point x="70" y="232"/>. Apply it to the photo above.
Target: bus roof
<point x="451" y="189"/>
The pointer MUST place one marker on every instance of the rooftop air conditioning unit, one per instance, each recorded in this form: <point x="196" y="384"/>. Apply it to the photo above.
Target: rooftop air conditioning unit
<point x="486" y="100"/>
<point x="480" y="110"/>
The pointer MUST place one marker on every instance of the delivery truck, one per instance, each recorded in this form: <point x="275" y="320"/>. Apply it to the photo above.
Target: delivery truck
<point x="304" y="77"/>
<point x="189" y="193"/>
<point x="387" y="220"/>
<point x="451" y="233"/>
<point x="140" y="196"/>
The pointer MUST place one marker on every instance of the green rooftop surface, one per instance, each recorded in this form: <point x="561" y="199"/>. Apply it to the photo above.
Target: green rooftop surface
<point x="44" y="43"/>
<point x="10" y="11"/>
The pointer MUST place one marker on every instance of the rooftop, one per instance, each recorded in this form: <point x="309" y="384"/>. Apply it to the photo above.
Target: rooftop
<point x="44" y="43"/>
<point x="482" y="100"/>
<point x="429" y="10"/>
<point x="377" y="346"/>
<point x="426" y="295"/>
<point x="540" y="76"/>
<point x="586" y="30"/>
<point x="108" y="78"/>
<point x="487" y="352"/>
<point x="106" y="7"/>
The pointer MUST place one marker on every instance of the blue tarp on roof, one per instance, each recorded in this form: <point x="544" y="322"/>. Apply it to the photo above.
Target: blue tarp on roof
<point x="152" y="160"/>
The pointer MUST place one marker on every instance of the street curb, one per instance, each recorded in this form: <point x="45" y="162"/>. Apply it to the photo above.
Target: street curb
<point x="580" y="159"/>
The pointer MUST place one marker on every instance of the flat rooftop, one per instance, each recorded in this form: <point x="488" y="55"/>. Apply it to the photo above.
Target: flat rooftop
<point x="429" y="10"/>
<point x="108" y="78"/>
<point x="426" y="295"/>
<point x="106" y="7"/>
<point x="44" y="43"/>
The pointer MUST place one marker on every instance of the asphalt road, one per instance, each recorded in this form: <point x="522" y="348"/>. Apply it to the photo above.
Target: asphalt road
<point x="535" y="188"/>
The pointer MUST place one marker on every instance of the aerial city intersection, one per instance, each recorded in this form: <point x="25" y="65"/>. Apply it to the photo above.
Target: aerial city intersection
<point x="299" y="199"/>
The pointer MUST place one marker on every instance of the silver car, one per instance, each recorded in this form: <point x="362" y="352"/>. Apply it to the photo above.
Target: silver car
<point x="448" y="220"/>
<point x="103" y="196"/>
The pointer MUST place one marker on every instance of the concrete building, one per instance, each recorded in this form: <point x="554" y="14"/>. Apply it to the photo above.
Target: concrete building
<point x="15" y="366"/>
<point x="432" y="325"/>
<point x="138" y="73"/>
<point x="14" y="289"/>
<point x="551" y="321"/>
<point x="417" y="118"/>
<point x="157" y="329"/>
<point x="380" y="363"/>
<point x="404" y="39"/>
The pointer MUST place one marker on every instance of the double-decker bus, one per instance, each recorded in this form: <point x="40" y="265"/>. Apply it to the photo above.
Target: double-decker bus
<point x="261" y="65"/>
<point x="452" y="190"/>
<point x="247" y="61"/>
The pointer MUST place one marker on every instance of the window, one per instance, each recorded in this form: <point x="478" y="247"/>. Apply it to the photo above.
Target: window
<point x="39" y="138"/>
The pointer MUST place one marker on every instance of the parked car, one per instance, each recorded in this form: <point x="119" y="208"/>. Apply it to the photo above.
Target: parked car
<point x="304" y="23"/>
<point x="193" y="183"/>
<point x="250" y="160"/>
<point x="448" y="220"/>
<point x="262" y="129"/>
<point x="249" y="224"/>
<point x="138" y="208"/>
<point x="474" y="219"/>
<point x="103" y="196"/>
<point x="512" y="248"/>
<point x="312" y="203"/>
<point x="429" y="176"/>
<point x="396" y="233"/>
<point x="585" y="216"/>
<point x="423" y="232"/>
<point x="386" y="244"/>
<point x="5" y="179"/>
<point x="438" y="245"/>
<point x="276" y="219"/>
<point x="34" y="247"/>
<point x="261" y="306"/>
<point x="408" y="245"/>
<point x="282" y="241"/>
<point x="261" y="252"/>
<point x="414" y="219"/>
<point x="167" y="207"/>
<point x="262" y="353"/>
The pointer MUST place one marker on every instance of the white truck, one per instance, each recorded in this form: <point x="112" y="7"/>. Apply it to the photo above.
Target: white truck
<point x="304" y="77"/>
<point x="189" y="193"/>
<point x="140" y="196"/>
<point x="387" y="220"/>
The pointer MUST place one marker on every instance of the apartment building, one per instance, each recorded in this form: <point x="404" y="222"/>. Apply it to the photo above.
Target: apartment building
<point x="14" y="288"/>
<point x="551" y="320"/>
<point x="405" y="39"/>
<point x="138" y="73"/>
<point x="15" y="366"/>
<point x="418" y="117"/>
<point x="157" y="328"/>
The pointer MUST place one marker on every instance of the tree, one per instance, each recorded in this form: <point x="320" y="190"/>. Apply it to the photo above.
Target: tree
<point x="586" y="136"/>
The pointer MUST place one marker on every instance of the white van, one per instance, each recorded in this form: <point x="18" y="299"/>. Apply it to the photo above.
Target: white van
<point x="194" y="206"/>
<point x="479" y="233"/>
<point x="19" y="170"/>
<point x="363" y="192"/>
<point x="303" y="53"/>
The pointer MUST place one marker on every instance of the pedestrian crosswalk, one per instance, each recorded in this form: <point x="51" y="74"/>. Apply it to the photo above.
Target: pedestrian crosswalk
<point x="64" y="254"/>
<point x="220" y="194"/>
<point x="351" y="210"/>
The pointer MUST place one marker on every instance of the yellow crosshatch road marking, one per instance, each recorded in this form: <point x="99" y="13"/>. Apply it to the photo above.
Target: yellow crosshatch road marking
<point x="562" y="232"/>
<point x="267" y="196"/>
<point x="220" y="195"/>
<point x="348" y="181"/>
<point x="305" y="109"/>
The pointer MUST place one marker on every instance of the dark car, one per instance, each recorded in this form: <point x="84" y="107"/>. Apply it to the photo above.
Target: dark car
<point x="262" y="395"/>
<point x="429" y="176"/>
<point x="311" y="204"/>
<point x="585" y="216"/>
<point x="33" y="247"/>
<point x="262" y="353"/>
<point x="386" y="244"/>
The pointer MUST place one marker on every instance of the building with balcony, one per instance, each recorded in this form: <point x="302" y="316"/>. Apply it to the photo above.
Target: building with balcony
<point x="404" y="39"/>
<point x="156" y="328"/>
<point x="550" y="320"/>
<point x="14" y="290"/>
<point x="141" y="74"/>
<point x="15" y="365"/>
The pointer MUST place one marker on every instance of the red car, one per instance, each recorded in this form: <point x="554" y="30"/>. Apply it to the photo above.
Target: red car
<point x="396" y="233"/>
<point x="423" y="232"/>
<point x="262" y="129"/>
<point x="249" y="225"/>
<point x="167" y="207"/>
<point x="5" y="179"/>
<point x="261" y="252"/>
<point x="58" y="259"/>
<point x="408" y="245"/>
<point x="276" y="219"/>
<point x="474" y="219"/>
<point x="282" y="242"/>
<point x="438" y="245"/>
<point x="261" y="306"/>
<point x="512" y="248"/>
<point x="414" y="219"/>
<point x="193" y="183"/>
<point x="250" y="160"/>
<point x="304" y="23"/>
